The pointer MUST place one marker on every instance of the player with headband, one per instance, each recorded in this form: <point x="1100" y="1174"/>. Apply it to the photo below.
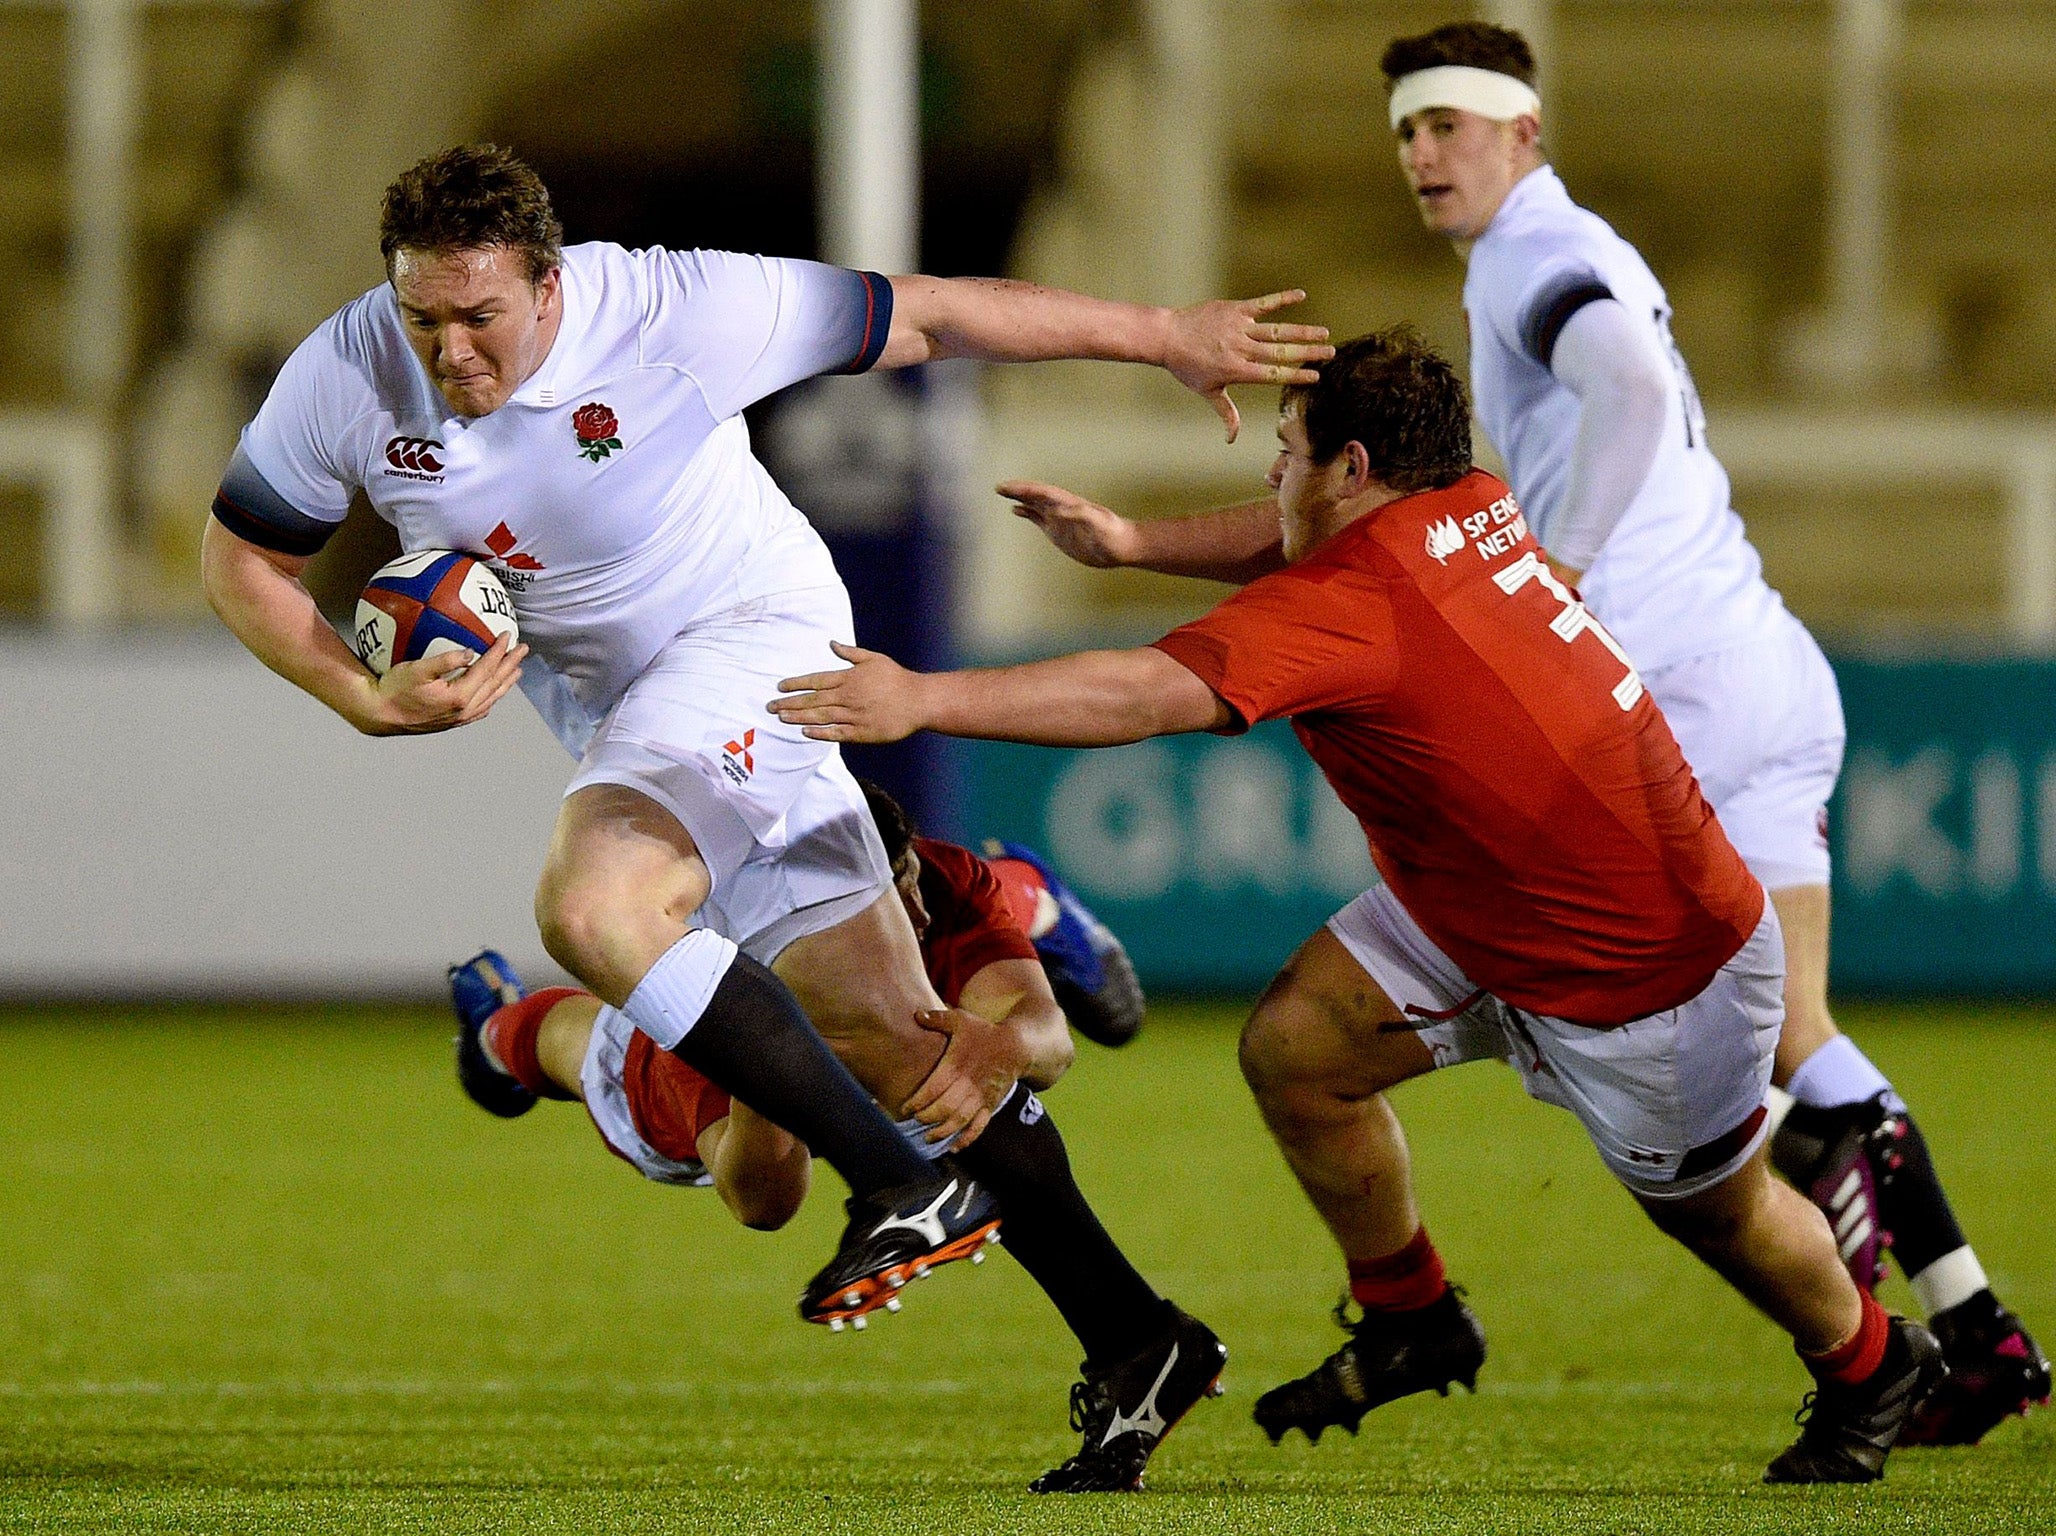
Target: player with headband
<point x="1578" y="384"/>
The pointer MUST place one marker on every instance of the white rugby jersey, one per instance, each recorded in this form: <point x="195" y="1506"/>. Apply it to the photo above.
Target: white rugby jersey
<point x="614" y="493"/>
<point x="1677" y="577"/>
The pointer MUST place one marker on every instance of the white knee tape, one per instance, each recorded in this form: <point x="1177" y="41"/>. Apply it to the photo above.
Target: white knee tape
<point x="675" y="991"/>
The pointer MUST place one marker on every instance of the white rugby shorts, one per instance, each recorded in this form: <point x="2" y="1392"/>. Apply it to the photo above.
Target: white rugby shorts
<point x="1761" y="725"/>
<point x="1673" y="1102"/>
<point x="777" y="817"/>
<point x="603" y="1076"/>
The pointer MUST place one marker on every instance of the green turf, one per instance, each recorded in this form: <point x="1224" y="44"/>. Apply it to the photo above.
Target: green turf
<point x="270" y="1271"/>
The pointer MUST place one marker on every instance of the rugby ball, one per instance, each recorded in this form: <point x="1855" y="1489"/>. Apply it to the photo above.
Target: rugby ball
<point x="428" y="603"/>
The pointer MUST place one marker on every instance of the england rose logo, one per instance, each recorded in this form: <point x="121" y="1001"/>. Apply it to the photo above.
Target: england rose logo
<point x="596" y="427"/>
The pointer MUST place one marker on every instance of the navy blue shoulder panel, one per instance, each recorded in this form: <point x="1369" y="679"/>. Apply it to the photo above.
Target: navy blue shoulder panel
<point x="249" y="508"/>
<point x="877" y="302"/>
<point x="1552" y="311"/>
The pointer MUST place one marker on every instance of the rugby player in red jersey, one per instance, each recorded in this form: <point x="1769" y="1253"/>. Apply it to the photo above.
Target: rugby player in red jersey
<point x="670" y="1123"/>
<point x="1557" y="893"/>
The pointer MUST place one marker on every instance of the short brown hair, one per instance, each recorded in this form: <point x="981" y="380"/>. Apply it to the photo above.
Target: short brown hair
<point x="1397" y="396"/>
<point x="1478" y="44"/>
<point x="895" y="826"/>
<point x="471" y="198"/>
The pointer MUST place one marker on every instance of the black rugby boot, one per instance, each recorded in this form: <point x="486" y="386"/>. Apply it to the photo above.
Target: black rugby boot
<point x="478" y="988"/>
<point x="1834" y="1158"/>
<point x="899" y="1235"/>
<point x="1995" y="1371"/>
<point x="1126" y="1410"/>
<point x="1389" y="1355"/>
<point x="1849" y="1430"/>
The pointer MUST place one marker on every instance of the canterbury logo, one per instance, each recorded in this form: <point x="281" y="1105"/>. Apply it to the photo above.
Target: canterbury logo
<point x="415" y="453"/>
<point x="1147" y="1420"/>
<point x="1444" y="540"/>
<point x="927" y="1225"/>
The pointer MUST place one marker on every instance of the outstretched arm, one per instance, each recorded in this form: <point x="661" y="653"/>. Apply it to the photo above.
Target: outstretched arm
<point x="1206" y="347"/>
<point x="1235" y="544"/>
<point x="1089" y="699"/>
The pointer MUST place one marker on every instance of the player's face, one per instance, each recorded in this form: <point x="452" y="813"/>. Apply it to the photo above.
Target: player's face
<point x="906" y="879"/>
<point x="1460" y="166"/>
<point x="1307" y="489"/>
<point x="479" y="326"/>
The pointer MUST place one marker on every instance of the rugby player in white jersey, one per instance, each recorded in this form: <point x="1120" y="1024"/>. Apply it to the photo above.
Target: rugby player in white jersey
<point x="1578" y="383"/>
<point x="575" y="416"/>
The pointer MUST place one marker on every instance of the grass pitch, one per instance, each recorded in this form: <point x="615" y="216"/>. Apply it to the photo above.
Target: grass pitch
<point x="269" y="1270"/>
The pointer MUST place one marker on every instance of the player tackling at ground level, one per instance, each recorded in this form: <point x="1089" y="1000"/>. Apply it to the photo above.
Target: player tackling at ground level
<point x="575" y="416"/>
<point x="1557" y="892"/>
<point x="672" y="1125"/>
<point x="1581" y="388"/>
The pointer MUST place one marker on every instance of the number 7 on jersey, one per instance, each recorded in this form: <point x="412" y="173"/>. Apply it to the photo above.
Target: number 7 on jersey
<point x="1575" y="620"/>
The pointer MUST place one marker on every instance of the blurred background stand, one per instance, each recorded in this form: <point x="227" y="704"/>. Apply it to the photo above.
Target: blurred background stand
<point x="1846" y="199"/>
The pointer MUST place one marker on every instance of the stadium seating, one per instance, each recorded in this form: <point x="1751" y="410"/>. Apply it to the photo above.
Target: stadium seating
<point x="1700" y="130"/>
<point x="195" y="62"/>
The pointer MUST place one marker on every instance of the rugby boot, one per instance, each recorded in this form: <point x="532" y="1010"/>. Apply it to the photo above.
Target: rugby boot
<point x="479" y="988"/>
<point x="1995" y="1371"/>
<point x="1389" y="1355"/>
<point x="1848" y="1430"/>
<point x="1088" y="968"/>
<point x="896" y="1236"/>
<point x="1836" y="1158"/>
<point x="1126" y="1411"/>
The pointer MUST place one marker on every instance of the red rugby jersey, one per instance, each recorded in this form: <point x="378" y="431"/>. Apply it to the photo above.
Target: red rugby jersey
<point x="970" y="922"/>
<point x="969" y="927"/>
<point x="1522" y="795"/>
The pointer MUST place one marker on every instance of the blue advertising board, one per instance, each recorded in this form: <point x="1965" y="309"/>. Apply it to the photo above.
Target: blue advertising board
<point x="1214" y="857"/>
<point x="1944" y="829"/>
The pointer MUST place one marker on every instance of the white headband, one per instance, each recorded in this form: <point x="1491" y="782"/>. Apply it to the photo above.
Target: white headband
<point x="1483" y="91"/>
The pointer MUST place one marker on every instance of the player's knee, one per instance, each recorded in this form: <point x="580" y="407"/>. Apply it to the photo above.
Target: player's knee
<point x="577" y="921"/>
<point x="767" y="1211"/>
<point x="1270" y="1049"/>
<point x="1704" y="1232"/>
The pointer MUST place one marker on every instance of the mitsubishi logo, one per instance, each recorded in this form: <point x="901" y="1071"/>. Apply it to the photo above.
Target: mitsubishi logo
<point x="737" y="761"/>
<point x="501" y="542"/>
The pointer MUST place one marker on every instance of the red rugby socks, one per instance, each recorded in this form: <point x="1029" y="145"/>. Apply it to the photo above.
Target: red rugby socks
<point x="1858" y="1356"/>
<point x="1404" y="1281"/>
<point x="510" y="1036"/>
